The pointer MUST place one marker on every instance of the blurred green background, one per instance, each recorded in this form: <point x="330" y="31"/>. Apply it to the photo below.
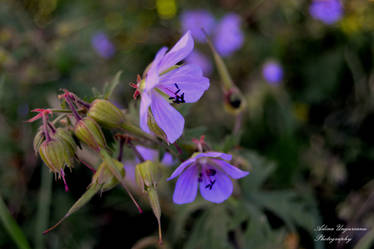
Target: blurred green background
<point x="308" y="141"/>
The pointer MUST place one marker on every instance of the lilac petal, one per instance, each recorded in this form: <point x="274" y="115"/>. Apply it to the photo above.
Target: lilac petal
<point x="180" y="51"/>
<point x="220" y="190"/>
<point x="145" y="102"/>
<point x="229" y="169"/>
<point x="152" y="78"/>
<point x="167" y="118"/>
<point x="221" y="155"/>
<point x="186" y="187"/>
<point x="147" y="153"/>
<point x="167" y="159"/>
<point x="190" y="81"/>
<point x="181" y="167"/>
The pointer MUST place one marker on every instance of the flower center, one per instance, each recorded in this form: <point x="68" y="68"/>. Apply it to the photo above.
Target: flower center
<point x="209" y="173"/>
<point x="178" y="97"/>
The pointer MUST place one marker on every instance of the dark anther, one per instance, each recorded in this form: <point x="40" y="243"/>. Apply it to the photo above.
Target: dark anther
<point x="177" y="99"/>
<point x="200" y="179"/>
<point x="210" y="185"/>
<point x="211" y="172"/>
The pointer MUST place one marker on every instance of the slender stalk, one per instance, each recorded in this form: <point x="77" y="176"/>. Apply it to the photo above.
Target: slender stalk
<point x="45" y="128"/>
<point x="113" y="169"/>
<point x="42" y="215"/>
<point x="72" y="108"/>
<point x="12" y="227"/>
<point x="66" y="110"/>
<point x="132" y="129"/>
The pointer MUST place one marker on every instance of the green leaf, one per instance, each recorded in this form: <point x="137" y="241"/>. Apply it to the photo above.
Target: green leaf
<point x="110" y="86"/>
<point x="211" y="230"/>
<point x="12" y="227"/>
<point x="261" y="170"/>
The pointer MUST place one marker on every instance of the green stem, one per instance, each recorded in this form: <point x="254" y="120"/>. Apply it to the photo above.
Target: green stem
<point x="138" y="132"/>
<point x="117" y="174"/>
<point x="42" y="215"/>
<point x="132" y="129"/>
<point x="222" y="69"/>
<point x="12" y="227"/>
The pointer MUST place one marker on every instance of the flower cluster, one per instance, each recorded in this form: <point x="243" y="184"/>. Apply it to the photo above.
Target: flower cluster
<point x="79" y="126"/>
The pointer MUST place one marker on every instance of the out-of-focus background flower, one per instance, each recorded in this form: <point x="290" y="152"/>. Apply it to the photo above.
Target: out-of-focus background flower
<point x="306" y="69"/>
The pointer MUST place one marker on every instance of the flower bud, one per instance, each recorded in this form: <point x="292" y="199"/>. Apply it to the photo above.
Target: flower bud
<point x="106" y="114"/>
<point x="38" y="140"/>
<point x="234" y="101"/>
<point x="90" y="133"/>
<point x="147" y="175"/>
<point x="104" y="176"/>
<point x="66" y="137"/>
<point x="53" y="153"/>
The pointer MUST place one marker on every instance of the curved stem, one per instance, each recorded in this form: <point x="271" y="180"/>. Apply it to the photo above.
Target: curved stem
<point x="114" y="170"/>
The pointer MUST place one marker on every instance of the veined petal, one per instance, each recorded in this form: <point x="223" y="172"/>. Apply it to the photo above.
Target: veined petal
<point x="145" y="102"/>
<point x="181" y="167"/>
<point x="187" y="80"/>
<point x="229" y="169"/>
<point x="147" y="153"/>
<point x="152" y="77"/>
<point x="167" y="118"/>
<point x="186" y="187"/>
<point x="180" y="51"/>
<point x="218" y="191"/>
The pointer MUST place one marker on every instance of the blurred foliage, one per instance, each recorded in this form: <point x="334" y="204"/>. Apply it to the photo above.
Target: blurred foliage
<point x="307" y="142"/>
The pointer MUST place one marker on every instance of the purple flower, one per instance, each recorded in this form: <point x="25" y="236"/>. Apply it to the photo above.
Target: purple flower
<point x="166" y="82"/>
<point x="195" y="20"/>
<point x="147" y="154"/>
<point x="327" y="11"/>
<point x="228" y="37"/>
<point x="102" y="45"/>
<point x="272" y="72"/>
<point x="201" y="60"/>
<point x="210" y="172"/>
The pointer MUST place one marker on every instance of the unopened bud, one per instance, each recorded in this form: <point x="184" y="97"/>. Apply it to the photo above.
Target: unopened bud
<point x="104" y="176"/>
<point x="53" y="154"/>
<point x="88" y="131"/>
<point x="38" y="140"/>
<point x="66" y="137"/>
<point x="234" y="101"/>
<point x="106" y="114"/>
<point x="147" y="175"/>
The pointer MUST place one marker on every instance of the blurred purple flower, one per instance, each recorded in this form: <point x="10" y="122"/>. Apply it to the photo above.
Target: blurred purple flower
<point x="201" y="60"/>
<point x="195" y="20"/>
<point x="102" y="45"/>
<point x="147" y="154"/>
<point x="184" y="84"/>
<point x="272" y="72"/>
<point x="327" y="11"/>
<point x="210" y="172"/>
<point x="228" y="36"/>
